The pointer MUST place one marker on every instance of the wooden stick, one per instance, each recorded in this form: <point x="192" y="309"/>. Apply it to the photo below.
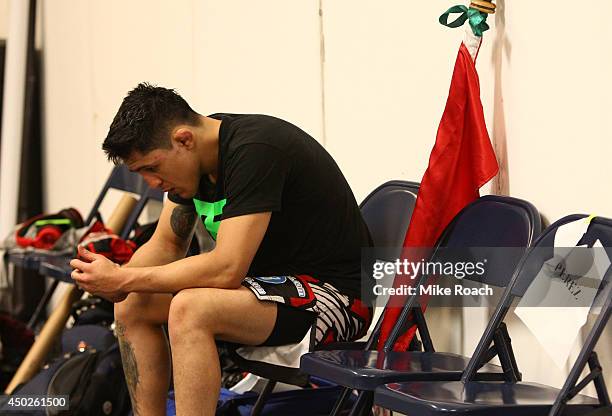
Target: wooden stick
<point x="117" y="219"/>
<point x="37" y="354"/>
<point x="34" y="359"/>
<point x="485" y="6"/>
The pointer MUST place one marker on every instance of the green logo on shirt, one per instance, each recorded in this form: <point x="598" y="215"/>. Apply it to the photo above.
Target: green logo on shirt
<point x="208" y="211"/>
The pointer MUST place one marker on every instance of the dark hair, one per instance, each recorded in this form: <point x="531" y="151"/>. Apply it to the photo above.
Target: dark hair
<point x="144" y="121"/>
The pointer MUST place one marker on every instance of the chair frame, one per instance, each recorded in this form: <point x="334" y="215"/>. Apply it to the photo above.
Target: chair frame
<point x="499" y="345"/>
<point x="587" y="355"/>
<point x="121" y="179"/>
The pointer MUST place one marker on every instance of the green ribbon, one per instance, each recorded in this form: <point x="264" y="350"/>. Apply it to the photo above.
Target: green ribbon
<point x="476" y="18"/>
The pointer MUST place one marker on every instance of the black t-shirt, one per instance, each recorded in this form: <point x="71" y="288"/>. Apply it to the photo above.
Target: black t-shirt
<point x="267" y="164"/>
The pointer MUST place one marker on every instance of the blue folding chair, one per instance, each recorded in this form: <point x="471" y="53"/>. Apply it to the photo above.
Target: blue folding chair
<point x="120" y="179"/>
<point x="386" y="211"/>
<point x="471" y="397"/>
<point x="58" y="267"/>
<point x="489" y="223"/>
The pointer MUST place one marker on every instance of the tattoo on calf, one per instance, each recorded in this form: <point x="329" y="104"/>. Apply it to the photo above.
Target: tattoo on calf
<point x="182" y="220"/>
<point x="130" y="368"/>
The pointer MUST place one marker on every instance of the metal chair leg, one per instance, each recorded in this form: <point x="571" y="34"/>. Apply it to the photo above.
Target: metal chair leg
<point x="363" y="405"/>
<point x="40" y="308"/>
<point x="263" y="396"/>
<point x="368" y="403"/>
<point x="346" y="392"/>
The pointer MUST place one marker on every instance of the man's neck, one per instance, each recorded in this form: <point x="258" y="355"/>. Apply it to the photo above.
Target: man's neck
<point x="209" y="153"/>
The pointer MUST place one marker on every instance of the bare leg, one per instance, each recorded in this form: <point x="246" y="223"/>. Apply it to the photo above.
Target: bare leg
<point x="144" y="350"/>
<point x="199" y="316"/>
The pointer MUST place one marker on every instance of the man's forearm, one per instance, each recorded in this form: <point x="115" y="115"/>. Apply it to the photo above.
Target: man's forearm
<point x="203" y="270"/>
<point x="155" y="254"/>
<point x="224" y="267"/>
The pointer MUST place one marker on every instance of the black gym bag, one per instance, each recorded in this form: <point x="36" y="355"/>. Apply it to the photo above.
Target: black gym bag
<point x="89" y="372"/>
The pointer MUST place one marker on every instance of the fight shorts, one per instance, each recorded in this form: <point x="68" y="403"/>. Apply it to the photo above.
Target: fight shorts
<point x="305" y="303"/>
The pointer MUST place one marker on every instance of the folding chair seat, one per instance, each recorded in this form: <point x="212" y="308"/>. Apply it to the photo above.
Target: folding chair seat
<point x="475" y="398"/>
<point x="366" y="370"/>
<point x="386" y="211"/>
<point x="510" y="398"/>
<point x="488" y="223"/>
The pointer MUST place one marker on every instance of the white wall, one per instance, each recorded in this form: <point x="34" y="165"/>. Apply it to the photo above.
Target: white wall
<point x="387" y="76"/>
<point x="94" y="53"/>
<point x="556" y="82"/>
<point x="237" y="56"/>
<point x="259" y="57"/>
<point x="387" y="67"/>
<point x="4" y="13"/>
<point x="556" y="88"/>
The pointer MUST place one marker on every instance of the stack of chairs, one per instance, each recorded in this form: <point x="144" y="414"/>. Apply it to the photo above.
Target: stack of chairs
<point x="57" y="266"/>
<point x="470" y="396"/>
<point x="488" y="225"/>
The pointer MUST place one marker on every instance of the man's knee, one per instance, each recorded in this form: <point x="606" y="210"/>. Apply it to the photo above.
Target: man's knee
<point x="192" y="310"/>
<point x="143" y="308"/>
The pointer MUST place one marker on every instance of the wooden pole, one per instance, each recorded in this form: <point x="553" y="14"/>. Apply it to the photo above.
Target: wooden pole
<point x="34" y="359"/>
<point x="485" y="6"/>
<point x="37" y="354"/>
<point x="117" y="219"/>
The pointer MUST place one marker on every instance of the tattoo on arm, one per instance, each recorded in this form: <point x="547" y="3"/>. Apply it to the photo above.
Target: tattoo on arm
<point x="130" y="368"/>
<point x="182" y="220"/>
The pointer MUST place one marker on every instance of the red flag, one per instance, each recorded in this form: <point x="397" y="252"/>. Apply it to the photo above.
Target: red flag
<point x="462" y="160"/>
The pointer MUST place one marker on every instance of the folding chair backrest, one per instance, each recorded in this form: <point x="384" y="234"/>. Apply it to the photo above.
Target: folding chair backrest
<point x="490" y="225"/>
<point x="487" y="224"/>
<point x="387" y="211"/>
<point x="599" y="229"/>
<point x="124" y="180"/>
<point x="529" y="269"/>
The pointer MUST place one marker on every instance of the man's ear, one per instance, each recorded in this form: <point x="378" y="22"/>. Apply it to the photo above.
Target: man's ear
<point x="183" y="137"/>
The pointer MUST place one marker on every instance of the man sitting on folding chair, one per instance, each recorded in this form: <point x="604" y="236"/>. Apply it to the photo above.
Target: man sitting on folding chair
<point x="281" y="213"/>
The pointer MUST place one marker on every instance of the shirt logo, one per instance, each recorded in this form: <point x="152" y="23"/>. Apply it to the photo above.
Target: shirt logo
<point x="208" y="211"/>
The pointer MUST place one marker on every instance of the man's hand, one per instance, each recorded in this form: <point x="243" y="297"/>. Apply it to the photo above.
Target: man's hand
<point x="98" y="275"/>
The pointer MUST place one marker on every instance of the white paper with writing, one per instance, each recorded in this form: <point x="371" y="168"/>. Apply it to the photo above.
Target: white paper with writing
<point x="571" y="278"/>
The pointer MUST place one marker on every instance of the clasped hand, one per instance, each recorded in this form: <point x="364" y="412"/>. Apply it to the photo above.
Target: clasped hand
<point x="97" y="275"/>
